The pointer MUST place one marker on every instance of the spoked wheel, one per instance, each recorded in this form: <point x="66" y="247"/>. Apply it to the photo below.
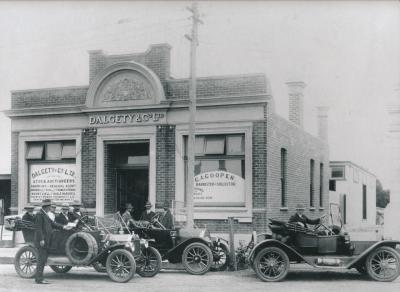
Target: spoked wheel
<point x="197" y="258"/>
<point x="99" y="267"/>
<point x="150" y="264"/>
<point x="220" y="258"/>
<point x="120" y="265"/>
<point x="271" y="264"/>
<point x="383" y="264"/>
<point x="60" y="269"/>
<point x="25" y="262"/>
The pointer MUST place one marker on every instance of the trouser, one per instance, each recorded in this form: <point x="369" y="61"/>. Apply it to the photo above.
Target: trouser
<point x="43" y="253"/>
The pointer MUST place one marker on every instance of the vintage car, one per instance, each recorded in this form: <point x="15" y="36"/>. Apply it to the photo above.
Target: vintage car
<point x="195" y="248"/>
<point x="325" y="246"/>
<point x="90" y="243"/>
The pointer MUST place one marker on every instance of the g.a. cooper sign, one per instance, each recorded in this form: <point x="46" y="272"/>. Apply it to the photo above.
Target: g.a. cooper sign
<point x="219" y="188"/>
<point x="126" y="118"/>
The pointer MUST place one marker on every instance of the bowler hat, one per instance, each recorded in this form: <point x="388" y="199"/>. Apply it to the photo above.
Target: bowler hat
<point x="300" y="207"/>
<point x="148" y="204"/>
<point x="165" y="204"/>
<point x="46" y="202"/>
<point x="65" y="206"/>
<point x="29" y="207"/>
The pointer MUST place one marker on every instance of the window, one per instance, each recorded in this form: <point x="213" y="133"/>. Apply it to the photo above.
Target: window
<point x="53" y="151"/>
<point x="337" y="172"/>
<point x="215" y="153"/>
<point x="332" y="185"/>
<point x="321" y="184"/>
<point x="283" y="176"/>
<point x="312" y="183"/>
<point x="364" y="202"/>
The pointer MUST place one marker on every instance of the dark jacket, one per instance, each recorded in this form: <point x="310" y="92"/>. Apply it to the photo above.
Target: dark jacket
<point x="147" y="217"/>
<point x="304" y="219"/>
<point x="28" y="217"/>
<point x="60" y="219"/>
<point x="43" y="228"/>
<point x="166" y="220"/>
<point x="72" y="216"/>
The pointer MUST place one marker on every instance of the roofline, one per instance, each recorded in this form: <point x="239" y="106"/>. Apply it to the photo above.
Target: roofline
<point x="353" y="164"/>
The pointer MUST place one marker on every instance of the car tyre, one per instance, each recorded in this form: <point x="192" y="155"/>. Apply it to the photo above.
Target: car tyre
<point x="383" y="264"/>
<point x="197" y="258"/>
<point x="150" y="262"/>
<point x="61" y="269"/>
<point x="271" y="264"/>
<point x="121" y="266"/>
<point x="220" y="258"/>
<point x="25" y="261"/>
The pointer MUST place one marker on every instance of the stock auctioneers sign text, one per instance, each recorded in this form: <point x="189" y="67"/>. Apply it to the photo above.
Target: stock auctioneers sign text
<point x="52" y="181"/>
<point x="219" y="188"/>
<point x="126" y="118"/>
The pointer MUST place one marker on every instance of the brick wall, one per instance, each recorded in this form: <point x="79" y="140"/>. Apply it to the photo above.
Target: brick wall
<point x="88" y="171"/>
<point x="109" y="180"/>
<point x="218" y="86"/>
<point x="14" y="169"/>
<point x="165" y="163"/>
<point x="300" y="147"/>
<point x="49" y="97"/>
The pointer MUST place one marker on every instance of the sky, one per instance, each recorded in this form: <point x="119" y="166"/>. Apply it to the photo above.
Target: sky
<point x="348" y="54"/>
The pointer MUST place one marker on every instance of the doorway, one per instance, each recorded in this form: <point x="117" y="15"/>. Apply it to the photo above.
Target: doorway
<point x="128" y="174"/>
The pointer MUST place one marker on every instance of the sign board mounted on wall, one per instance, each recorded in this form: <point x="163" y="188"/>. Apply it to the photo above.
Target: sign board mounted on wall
<point x="219" y="188"/>
<point x="52" y="181"/>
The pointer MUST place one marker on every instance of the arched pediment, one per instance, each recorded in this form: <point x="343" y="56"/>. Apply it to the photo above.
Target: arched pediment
<point x="124" y="84"/>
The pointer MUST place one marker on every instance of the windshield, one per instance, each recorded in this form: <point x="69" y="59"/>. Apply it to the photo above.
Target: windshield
<point x="335" y="215"/>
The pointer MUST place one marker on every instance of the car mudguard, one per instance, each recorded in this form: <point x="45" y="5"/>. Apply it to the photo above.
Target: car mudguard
<point x="292" y="253"/>
<point x="365" y="253"/>
<point x="105" y="252"/>
<point x="174" y="255"/>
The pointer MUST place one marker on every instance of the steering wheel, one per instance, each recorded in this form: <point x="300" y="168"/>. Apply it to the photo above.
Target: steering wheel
<point x="322" y="224"/>
<point x="155" y="221"/>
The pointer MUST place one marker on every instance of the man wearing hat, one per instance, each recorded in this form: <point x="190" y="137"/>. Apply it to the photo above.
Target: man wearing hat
<point x="29" y="216"/>
<point x="302" y="219"/>
<point x="43" y="229"/>
<point x="62" y="218"/>
<point x="166" y="219"/>
<point x="147" y="214"/>
<point x="76" y="212"/>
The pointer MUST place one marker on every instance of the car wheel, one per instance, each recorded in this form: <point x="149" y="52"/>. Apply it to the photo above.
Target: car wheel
<point x="197" y="258"/>
<point x="220" y="258"/>
<point x="61" y="269"/>
<point x="25" y="261"/>
<point x="150" y="263"/>
<point x="383" y="264"/>
<point x="99" y="267"/>
<point x="271" y="264"/>
<point x="121" y="265"/>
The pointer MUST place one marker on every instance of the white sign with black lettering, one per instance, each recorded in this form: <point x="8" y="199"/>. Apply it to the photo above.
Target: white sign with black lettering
<point x="52" y="181"/>
<point x="219" y="188"/>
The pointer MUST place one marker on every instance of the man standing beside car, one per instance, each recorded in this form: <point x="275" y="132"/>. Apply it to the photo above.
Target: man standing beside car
<point x="43" y="228"/>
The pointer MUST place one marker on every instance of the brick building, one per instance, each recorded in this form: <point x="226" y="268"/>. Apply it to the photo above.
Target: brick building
<point x="123" y="137"/>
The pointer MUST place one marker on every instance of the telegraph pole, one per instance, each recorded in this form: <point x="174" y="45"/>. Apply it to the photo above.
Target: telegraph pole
<point x="192" y="115"/>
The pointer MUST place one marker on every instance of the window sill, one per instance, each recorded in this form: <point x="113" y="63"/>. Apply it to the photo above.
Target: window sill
<point x="284" y="209"/>
<point x="321" y="208"/>
<point x="312" y="208"/>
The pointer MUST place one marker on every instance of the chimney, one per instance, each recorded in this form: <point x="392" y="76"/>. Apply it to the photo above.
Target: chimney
<point x="323" y="122"/>
<point x="296" y="102"/>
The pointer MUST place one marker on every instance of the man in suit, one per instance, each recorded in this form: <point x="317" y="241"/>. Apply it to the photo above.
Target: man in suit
<point x="62" y="218"/>
<point x="29" y="216"/>
<point x="76" y="212"/>
<point x="147" y="214"/>
<point x="43" y="229"/>
<point x="302" y="219"/>
<point x="166" y="219"/>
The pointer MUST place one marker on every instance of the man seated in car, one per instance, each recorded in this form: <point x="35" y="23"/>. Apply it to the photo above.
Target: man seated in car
<point x="301" y="219"/>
